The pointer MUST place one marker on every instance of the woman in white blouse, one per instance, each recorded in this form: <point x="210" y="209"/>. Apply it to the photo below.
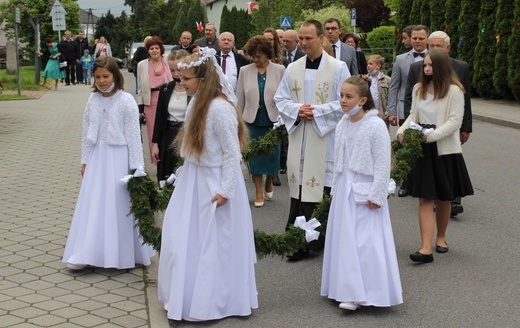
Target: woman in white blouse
<point x="102" y="48"/>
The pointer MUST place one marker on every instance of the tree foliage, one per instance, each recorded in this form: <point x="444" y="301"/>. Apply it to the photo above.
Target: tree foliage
<point x="181" y="25"/>
<point x="380" y="40"/>
<point x="503" y="27"/>
<point x="370" y="13"/>
<point x="31" y="8"/>
<point x="322" y="15"/>
<point x="452" y="23"/>
<point x="195" y="14"/>
<point x="468" y="29"/>
<point x="437" y="15"/>
<point x="484" y="62"/>
<point x="513" y="59"/>
<point x="403" y="20"/>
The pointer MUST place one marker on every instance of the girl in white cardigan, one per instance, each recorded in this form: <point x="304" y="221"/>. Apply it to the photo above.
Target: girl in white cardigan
<point x="102" y="234"/>
<point x="440" y="175"/>
<point x="206" y="268"/>
<point x="360" y="262"/>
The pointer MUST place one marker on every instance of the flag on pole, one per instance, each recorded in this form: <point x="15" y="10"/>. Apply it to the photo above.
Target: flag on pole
<point x="200" y="28"/>
<point x="251" y="6"/>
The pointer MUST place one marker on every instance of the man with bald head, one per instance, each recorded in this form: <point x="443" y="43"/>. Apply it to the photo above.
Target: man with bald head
<point x="291" y="50"/>
<point x="184" y="41"/>
<point x="229" y="60"/>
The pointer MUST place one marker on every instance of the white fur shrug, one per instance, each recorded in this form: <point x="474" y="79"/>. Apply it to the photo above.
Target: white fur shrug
<point x="123" y="126"/>
<point x="221" y="145"/>
<point x="369" y="154"/>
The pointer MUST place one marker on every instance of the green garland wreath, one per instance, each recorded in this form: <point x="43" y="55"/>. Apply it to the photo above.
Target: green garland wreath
<point x="146" y="198"/>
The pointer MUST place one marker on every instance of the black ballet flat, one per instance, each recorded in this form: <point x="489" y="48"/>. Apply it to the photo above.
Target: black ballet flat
<point x="421" y="258"/>
<point x="442" y="249"/>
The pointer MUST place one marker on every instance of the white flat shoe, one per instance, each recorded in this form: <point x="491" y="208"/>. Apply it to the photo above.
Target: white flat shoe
<point x="269" y="195"/>
<point x="259" y="204"/>
<point x="348" y="306"/>
<point x="75" y="266"/>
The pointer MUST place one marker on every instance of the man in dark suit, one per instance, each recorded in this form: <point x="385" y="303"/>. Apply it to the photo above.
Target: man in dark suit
<point x="82" y="45"/>
<point x="439" y="39"/>
<point x="229" y="60"/>
<point x="341" y="50"/>
<point x="70" y="54"/>
<point x="184" y="41"/>
<point x="291" y="50"/>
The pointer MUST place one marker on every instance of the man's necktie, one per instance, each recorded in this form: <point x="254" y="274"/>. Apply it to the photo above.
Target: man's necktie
<point x="334" y="50"/>
<point x="224" y="57"/>
<point x="415" y="54"/>
<point x="289" y="57"/>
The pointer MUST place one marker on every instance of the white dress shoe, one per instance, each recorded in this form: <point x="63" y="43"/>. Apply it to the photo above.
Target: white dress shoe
<point x="259" y="204"/>
<point x="269" y="195"/>
<point x="348" y="306"/>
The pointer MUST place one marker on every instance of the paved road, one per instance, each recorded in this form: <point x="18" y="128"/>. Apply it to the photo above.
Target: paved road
<point x="474" y="285"/>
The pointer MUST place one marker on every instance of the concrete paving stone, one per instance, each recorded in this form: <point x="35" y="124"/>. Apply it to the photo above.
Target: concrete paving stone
<point x="41" y="271"/>
<point x="5" y="252"/>
<point x="39" y="285"/>
<point x="56" y="292"/>
<point x="22" y="278"/>
<point x="90" y="291"/>
<point x="11" y="305"/>
<point x="47" y="320"/>
<point x="70" y="298"/>
<point x="66" y="325"/>
<point x="108" y="325"/>
<point x="6" y="284"/>
<point x="57" y="278"/>
<point x="15" y="247"/>
<point x="26" y="265"/>
<point x="13" y="258"/>
<point x="25" y="325"/>
<point x="30" y="253"/>
<point x="87" y="320"/>
<point x="54" y="238"/>
<point x="92" y="278"/>
<point x="143" y="314"/>
<point x="48" y="247"/>
<point x="35" y="242"/>
<point x="129" y="321"/>
<point x="129" y="278"/>
<point x="45" y="258"/>
<point x="57" y="252"/>
<point x="50" y="305"/>
<point x="5" y="297"/>
<point x="74" y="285"/>
<point x="109" y="284"/>
<point x="36" y="233"/>
<point x="139" y="285"/>
<point x="108" y="312"/>
<point x="17" y="291"/>
<point x="127" y="292"/>
<point x="69" y="312"/>
<point x="10" y="320"/>
<point x="19" y="238"/>
<point x="23" y="229"/>
<point x="128" y="306"/>
<point x="108" y="298"/>
<point x="34" y="298"/>
<point x="28" y="312"/>
<point x="5" y="242"/>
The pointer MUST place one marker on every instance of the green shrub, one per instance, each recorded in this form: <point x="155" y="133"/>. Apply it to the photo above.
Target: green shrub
<point x="381" y="41"/>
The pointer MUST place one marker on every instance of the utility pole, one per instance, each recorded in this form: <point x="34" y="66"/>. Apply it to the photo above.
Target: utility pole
<point x="90" y="20"/>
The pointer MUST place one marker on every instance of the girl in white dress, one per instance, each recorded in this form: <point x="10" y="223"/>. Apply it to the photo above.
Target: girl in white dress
<point x="206" y="267"/>
<point x="102" y="234"/>
<point x="360" y="263"/>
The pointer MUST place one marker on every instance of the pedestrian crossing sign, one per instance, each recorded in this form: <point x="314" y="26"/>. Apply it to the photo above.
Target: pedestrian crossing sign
<point x="285" y="22"/>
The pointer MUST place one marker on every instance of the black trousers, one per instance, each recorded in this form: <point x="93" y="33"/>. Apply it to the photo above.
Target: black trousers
<point x="299" y="208"/>
<point x="70" y="72"/>
<point x="283" y="152"/>
<point x="79" y="73"/>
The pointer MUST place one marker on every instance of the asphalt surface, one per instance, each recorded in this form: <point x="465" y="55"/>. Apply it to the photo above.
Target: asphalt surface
<point x="475" y="284"/>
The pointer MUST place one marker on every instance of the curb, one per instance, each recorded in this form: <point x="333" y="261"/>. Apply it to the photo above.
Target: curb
<point x="497" y="121"/>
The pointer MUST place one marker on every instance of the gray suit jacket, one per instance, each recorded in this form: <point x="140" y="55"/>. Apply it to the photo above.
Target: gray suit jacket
<point x="248" y="95"/>
<point x="398" y="81"/>
<point x="461" y="68"/>
<point x="349" y="56"/>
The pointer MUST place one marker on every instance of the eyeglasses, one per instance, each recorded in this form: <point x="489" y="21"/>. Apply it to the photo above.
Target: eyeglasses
<point x="187" y="78"/>
<point x="331" y="28"/>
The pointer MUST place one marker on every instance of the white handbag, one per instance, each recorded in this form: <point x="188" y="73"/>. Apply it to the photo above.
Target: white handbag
<point x="63" y="64"/>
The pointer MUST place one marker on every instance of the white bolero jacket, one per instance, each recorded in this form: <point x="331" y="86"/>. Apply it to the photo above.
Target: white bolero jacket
<point x="221" y="145"/>
<point x="123" y="127"/>
<point x="369" y="154"/>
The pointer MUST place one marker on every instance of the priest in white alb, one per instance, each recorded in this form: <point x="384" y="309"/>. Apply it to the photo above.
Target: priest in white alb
<point x="308" y="101"/>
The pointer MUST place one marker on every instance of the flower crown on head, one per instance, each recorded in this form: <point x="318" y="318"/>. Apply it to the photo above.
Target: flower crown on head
<point x="205" y="54"/>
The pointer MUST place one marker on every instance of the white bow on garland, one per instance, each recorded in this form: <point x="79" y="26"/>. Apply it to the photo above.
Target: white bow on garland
<point x="310" y="233"/>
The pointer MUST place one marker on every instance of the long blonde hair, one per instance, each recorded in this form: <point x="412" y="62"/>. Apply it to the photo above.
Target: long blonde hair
<point x="209" y="89"/>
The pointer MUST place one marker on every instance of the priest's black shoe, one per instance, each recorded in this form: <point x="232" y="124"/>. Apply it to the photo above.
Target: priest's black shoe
<point x="403" y="192"/>
<point x="276" y="180"/>
<point x="298" y="255"/>
<point x="456" y="209"/>
<point x="421" y="258"/>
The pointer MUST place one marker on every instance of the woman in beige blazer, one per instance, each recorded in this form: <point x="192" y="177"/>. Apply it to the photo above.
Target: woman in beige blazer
<point x="257" y="84"/>
<point x="151" y="75"/>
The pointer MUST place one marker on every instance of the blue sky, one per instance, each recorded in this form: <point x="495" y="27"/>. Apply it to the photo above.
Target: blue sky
<point x="101" y="7"/>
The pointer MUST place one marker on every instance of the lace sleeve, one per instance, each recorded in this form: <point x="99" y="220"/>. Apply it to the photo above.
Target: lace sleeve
<point x="132" y="131"/>
<point x="86" y="146"/>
